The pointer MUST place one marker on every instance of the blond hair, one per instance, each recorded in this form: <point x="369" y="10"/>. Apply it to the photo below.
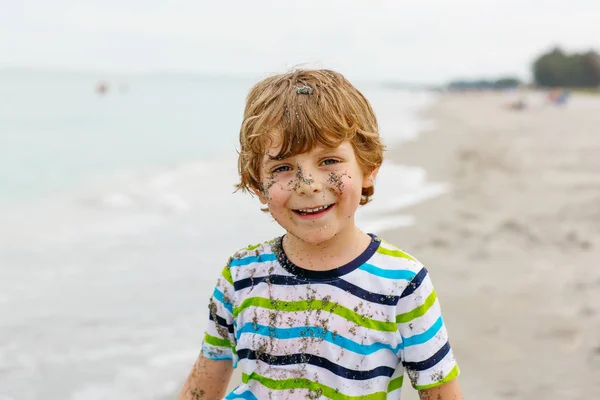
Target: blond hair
<point x="306" y="108"/>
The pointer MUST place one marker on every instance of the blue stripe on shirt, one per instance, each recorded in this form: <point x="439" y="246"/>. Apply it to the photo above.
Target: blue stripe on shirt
<point x="425" y="336"/>
<point x="247" y="395"/>
<point x="388" y="273"/>
<point x="207" y="351"/>
<point x="314" y="332"/>
<point x="218" y="295"/>
<point x="240" y="262"/>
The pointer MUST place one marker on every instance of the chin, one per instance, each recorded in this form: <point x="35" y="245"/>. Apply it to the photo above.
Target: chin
<point x="316" y="237"/>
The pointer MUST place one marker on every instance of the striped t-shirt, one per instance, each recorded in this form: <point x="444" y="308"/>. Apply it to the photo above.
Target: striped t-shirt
<point x="346" y="333"/>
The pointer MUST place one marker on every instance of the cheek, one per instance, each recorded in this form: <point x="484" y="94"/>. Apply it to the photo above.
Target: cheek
<point x="267" y="184"/>
<point x="344" y="185"/>
<point x="277" y="193"/>
<point x="352" y="189"/>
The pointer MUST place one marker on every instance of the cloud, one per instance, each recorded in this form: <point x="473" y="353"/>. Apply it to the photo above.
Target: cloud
<point x="423" y="41"/>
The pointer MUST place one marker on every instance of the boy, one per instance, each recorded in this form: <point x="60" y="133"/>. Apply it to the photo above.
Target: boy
<point x="325" y="311"/>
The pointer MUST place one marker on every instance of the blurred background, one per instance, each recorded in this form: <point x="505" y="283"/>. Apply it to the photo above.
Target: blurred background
<point x="118" y="136"/>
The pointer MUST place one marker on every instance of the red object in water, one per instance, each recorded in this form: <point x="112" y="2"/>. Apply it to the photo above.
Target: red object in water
<point x="102" y="88"/>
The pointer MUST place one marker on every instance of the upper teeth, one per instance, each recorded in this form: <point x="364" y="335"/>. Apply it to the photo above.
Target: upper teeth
<point x="312" y="210"/>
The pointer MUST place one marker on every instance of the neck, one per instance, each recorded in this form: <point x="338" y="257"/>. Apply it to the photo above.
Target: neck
<point x="335" y="252"/>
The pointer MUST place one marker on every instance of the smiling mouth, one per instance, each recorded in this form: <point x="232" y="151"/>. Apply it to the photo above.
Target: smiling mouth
<point x="313" y="211"/>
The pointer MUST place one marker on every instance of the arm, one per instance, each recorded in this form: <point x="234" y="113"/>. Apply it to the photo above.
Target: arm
<point x="210" y="375"/>
<point x="208" y="380"/>
<point x="447" y="391"/>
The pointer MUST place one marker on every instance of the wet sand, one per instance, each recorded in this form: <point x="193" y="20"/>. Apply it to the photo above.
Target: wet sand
<point x="514" y="248"/>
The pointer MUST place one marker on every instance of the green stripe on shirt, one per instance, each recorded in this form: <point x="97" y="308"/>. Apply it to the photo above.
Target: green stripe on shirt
<point x="451" y="375"/>
<point x="227" y="274"/>
<point x="303" y="383"/>
<point x="306" y="305"/>
<point x="417" y="312"/>
<point x="395" y="383"/>
<point x="394" y="253"/>
<point x="216" y="341"/>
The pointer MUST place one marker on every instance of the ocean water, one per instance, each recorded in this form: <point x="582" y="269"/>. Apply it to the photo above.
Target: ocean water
<point x="117" y="214"/>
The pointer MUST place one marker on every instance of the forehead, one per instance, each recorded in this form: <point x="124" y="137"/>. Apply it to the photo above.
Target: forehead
<point x="273" y="141"/>
<point x="304" y="137"/>
<point x="273" y="150"/>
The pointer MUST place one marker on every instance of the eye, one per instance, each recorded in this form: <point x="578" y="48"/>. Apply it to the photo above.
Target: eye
<point x="330" y="161"/>
<point x="281" y="168"/>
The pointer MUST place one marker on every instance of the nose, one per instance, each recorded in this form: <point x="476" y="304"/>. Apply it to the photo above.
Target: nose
<point x="306" y="183"/>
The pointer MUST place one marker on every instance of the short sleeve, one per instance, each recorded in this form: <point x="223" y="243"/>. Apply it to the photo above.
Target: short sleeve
<point x="425" y="352"/>
<point x="219" y="339"/>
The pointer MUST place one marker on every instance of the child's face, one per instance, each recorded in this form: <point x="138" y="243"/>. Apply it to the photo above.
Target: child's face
<point x="314" y="195"/>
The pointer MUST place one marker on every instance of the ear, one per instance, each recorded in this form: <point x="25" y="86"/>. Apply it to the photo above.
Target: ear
<point x="260" y="194"/>
<point x="370" y="178"/>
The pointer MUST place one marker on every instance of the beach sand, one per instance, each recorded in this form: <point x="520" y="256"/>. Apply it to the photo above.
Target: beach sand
<point x="514" y="247"/>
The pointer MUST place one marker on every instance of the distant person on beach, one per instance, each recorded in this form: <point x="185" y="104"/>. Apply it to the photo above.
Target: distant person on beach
<point x="326" y="310"/>
<point x="517" y="105"/>
<point x="558" y="97"/>
<point x="520" y="103"/>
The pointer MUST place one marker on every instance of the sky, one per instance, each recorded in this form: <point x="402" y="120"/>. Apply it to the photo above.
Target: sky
<point x="427" y="41"/>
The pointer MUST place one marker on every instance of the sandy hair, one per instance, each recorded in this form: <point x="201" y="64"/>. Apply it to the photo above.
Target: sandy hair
<point x="303" y="109"/>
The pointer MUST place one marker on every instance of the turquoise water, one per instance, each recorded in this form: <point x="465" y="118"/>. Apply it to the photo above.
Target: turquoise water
<point x="56" y="131"/>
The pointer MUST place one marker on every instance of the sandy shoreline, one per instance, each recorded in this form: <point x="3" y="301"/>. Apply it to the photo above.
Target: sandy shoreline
<point x="514" y="248"/>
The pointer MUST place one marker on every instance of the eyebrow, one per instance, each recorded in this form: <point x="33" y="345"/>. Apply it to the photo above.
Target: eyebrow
<point x="269" y="159"/>
<point x="332" y="151"/>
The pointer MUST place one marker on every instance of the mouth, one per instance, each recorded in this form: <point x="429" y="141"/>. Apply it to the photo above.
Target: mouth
<point x="315" y="211"/>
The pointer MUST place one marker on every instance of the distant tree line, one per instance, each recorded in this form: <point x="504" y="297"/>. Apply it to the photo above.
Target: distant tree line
<point x="498" y="84"/>
<point x="559" y="69"/>
<point x="553" y="69"/>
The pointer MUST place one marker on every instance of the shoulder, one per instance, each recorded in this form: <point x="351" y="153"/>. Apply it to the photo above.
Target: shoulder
<point x="253" y="257"/>
<point x="254" y="252"/>
<point x="391" y="257"/>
